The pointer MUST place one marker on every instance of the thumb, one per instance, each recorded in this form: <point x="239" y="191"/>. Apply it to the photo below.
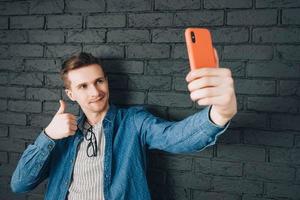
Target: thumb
<point x="62" y="107"/>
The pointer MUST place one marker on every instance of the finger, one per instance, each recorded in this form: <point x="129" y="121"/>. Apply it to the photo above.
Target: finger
<point x="204" y="82"/>
<point x="62" y="107"/>
<point x="217" y="58"/>
<point x="205" y="92"/>
<point x="70" y="116"/>
<point x="73" y="127"/>
<point x="203" y="72"/>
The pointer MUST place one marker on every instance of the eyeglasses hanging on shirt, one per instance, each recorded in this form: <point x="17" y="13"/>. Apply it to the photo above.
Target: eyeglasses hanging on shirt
<point x="90" y="136"/>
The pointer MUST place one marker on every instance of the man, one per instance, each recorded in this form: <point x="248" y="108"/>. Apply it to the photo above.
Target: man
<point x="102" y="155"/>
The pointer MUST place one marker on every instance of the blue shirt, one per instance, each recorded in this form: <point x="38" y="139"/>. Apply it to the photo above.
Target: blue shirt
<point x="128" y="132"/>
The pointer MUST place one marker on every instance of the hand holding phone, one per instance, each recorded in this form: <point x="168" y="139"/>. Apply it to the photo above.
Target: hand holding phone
<point x="200" y="48"/>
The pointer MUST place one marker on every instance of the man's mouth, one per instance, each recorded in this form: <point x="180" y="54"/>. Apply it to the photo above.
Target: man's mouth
<point x="98" y="99"/>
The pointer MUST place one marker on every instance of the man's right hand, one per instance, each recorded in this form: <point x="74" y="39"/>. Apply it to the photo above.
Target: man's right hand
<point x="62" y="125"/>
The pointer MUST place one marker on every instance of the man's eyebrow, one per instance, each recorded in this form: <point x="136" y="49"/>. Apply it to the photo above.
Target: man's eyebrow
<point x="84" y="83"/>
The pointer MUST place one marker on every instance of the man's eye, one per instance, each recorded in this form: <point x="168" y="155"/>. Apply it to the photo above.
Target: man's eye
<point x="100" y="81"/>
<point x="82" y="87"/>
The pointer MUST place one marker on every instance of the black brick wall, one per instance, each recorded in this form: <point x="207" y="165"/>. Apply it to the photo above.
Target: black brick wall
<point x="144" y="54"/>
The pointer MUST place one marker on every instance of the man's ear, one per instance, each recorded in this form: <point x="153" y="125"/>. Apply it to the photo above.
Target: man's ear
<point x="69" y="94"/>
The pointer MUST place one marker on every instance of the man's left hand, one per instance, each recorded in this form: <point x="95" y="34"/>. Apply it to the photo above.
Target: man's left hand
<point x="214" y="86"/>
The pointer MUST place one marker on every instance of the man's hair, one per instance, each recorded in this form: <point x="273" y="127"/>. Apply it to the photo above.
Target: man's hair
<point x="77" y="61"/>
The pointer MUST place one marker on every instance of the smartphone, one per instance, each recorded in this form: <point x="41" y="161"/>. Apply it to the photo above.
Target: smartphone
<point x="200" y="48"/>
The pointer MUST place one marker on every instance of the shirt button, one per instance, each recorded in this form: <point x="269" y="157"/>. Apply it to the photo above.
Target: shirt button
<point x="50" y="146"/>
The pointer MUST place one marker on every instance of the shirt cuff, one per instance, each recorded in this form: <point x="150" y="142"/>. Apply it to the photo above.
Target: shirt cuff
<point x="44" y="142"/>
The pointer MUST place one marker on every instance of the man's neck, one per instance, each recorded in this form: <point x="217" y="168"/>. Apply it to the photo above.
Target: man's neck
<point x="94" y="118"/>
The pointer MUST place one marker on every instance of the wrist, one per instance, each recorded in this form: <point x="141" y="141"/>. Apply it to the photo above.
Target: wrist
<point x="218" y="119"/>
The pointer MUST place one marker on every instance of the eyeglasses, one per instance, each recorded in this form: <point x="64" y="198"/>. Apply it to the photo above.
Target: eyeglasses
<point x="90" y="136"/>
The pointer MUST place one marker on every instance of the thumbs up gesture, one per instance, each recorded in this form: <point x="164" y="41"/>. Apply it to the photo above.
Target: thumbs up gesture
<point x="62" y="125"/>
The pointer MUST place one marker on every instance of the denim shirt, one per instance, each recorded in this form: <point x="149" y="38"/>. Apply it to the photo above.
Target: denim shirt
<point x="128" y="132"/>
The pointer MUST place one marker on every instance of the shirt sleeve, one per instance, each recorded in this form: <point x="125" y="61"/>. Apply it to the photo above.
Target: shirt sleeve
<point x="191" y="134"/>
<point x="32" y="167"/>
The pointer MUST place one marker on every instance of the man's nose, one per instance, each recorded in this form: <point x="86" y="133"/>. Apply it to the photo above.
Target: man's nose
<point x="93" y="91"/>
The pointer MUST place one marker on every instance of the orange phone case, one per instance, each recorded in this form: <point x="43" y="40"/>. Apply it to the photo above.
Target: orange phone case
<point x="200" y="48"/>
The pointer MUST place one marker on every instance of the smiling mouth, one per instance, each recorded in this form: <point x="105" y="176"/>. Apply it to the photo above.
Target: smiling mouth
<point x="98" y="99"/>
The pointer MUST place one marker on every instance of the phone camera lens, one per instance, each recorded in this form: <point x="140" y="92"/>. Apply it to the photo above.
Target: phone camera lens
<point x="193" y="37"/>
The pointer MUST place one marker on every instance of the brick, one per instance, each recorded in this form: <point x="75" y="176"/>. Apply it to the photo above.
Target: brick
<point x="27" y="22"/>
<point x="24" y="132"/>
<point x="148" y="51"/>
<point x="12" y="118"/>
<point x="297" y="144"/>
<point x="52" y="107"/>
<point x="169" y="99"/>
<point x="236" y="185"/>
<point x="245" y="86"/>
<point x="189" y="179"/>
<point x="46" y="7"/>
<point x="273" y="69"/>
<point x="218" y="168"/>
<point x="177" y="193"/>
<point x="3" y="157"/>
<point x="127" y="97"/>
<point x="131" y="35"/>
<point x="26" y="50"/>
<point x="3" y="131"/>
<point x="106" y="20"/>
<point x="4" y="53"/>
<point x="285" y="122"/>
<point x="11" y="65"/>
<point x="130" y="5"/>
<point x="53" y="80"/>
<point x="276" y="35"/>
<point x="283" y="190"/>
<point x="204" y="18"/>
<point x="13" y="36"/>
<point x="288" y="156"/>
<point x="251" y="52"/>
<point x="289" y="88"/>
<point x="48" y="36"/>
<point x="83" y="6"/>
<point x="253" y="197"/>
<point x="25" y="106"/>
<point x="252" y="17"/>
<point x="268" y="172"/>
<point x="276" y="4"/>
<point x="3" y="22"/>
<point x="230" y="137"/>
<point x="122" y="66"/>
<point x="3" y="105"/>
<point x="86" y="36"/>
<point x="31" y="79"/>
<point x="273" y="104"/>
<point x="269" y="138"/>
<point x="14" y="8"/>
<point x="291" y="16"/>
<point x="230" y="35"/>
<point x="42" y="65"/>
<point x="179" y="51"/>
<point x="64" y="21"/>
<point x="61" y="50"/>
<point x="219" y="4"/>
<point x="167" y="67"/>
<point x="240" y="153"/>
<point x="177" y="114"/>
<point x="39" y="120"/>
<point x="288" y="52"/>
<point x="176" y="5"/>
<point x="149" y="83"/>
<point x="118" y="82"/>
<point x="167" y="35"/>
<point x="105" y="51"/>
<point x="166" y="162"/>
<point x="249" y="120"/>
<point x="12" y="92"/>
<point x="42" y="94"/>
<point x="199" y="195"/>
<point x="180" y="84"/>
<point x="150" y="19"/>
<point x="3" y="78"/>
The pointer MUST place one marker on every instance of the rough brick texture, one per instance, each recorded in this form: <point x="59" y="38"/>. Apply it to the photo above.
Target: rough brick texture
<point x="142" y="46"/>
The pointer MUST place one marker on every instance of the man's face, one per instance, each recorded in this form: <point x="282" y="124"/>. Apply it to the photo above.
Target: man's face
<point x="89" y="87"/>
